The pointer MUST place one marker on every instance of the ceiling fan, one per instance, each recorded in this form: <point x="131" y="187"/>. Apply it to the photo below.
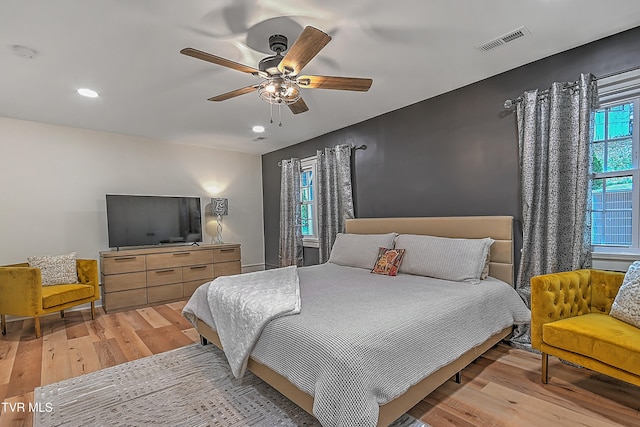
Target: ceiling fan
<point x="281" y="74"/>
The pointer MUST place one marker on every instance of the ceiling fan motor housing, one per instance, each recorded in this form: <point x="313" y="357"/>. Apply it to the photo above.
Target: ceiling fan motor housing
<point x="278" y="43"/>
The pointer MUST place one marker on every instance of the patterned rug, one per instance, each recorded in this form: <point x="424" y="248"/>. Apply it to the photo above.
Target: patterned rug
<point x="189" y="386"/>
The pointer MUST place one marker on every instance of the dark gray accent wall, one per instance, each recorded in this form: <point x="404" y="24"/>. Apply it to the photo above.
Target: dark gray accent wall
<point x="454" y="154"/>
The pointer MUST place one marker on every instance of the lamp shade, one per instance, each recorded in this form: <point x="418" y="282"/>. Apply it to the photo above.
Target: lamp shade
<point x="220" y="206"/>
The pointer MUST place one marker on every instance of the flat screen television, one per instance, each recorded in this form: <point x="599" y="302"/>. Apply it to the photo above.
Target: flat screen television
<point x="152" y="220"/>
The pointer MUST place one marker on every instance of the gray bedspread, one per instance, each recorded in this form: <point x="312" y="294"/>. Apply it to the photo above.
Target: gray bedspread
<point x="363" y="339"/>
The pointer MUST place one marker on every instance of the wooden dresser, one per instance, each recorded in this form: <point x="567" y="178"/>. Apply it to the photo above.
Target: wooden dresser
<point x="140" y="277"/>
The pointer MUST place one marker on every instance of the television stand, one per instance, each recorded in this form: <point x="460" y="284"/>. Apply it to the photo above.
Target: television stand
<point x="140" y="277"/>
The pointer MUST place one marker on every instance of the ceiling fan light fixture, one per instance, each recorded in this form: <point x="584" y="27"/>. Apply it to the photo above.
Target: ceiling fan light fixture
<point x="279" y="90"/>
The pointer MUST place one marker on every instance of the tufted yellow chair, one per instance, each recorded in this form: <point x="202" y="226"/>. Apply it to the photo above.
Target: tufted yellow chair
<point x="22" y="293"/>
<point x="570" y="320"/>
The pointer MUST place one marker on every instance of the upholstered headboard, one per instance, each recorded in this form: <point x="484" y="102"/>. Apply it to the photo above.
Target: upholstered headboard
<point x="499" y="228"/>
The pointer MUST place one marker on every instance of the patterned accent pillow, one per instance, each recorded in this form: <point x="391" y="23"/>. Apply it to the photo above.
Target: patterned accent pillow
<point x="626" y="306"/>
<point x="388" y="261"/>
<point x="485" y="269"/>
<point x="632" y="274"/>
<point x="56" y="270"/>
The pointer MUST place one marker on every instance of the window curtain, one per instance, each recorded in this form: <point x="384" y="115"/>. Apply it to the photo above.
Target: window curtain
<point x="555" y="129"/>
<point x="290" y="245"/>
<point x="333" y="194"/>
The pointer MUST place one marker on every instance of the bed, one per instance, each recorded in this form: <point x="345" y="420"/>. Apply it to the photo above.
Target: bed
<point x="282" y="374"/>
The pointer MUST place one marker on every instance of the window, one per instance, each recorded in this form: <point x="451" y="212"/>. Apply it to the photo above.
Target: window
<point x="615" y="188"/>
<point x="309" y="211"/>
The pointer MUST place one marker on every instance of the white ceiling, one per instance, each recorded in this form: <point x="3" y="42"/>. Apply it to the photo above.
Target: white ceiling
<point x="128" y="51"/>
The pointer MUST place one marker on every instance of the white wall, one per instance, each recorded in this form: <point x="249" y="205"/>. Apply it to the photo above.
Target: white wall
<point x="53" y="181"/>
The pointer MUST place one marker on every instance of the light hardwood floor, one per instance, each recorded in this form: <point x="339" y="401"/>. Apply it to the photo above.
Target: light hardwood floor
<point x="501" y="388"/>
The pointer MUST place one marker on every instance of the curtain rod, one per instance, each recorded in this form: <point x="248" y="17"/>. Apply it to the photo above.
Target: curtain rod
<point x="510" y="103"/>
<point x="353" y="147"/>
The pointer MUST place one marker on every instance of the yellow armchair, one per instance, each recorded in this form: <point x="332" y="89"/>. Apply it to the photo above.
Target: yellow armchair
<point x="22" y="293"/>
<point x="570" y="320"/>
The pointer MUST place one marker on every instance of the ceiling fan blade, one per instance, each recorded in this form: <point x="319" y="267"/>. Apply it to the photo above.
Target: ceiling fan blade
<point x="234" y="93"/>
<point x="298" y="107"/>
<point x="339" y="83"/>
<point x="308" y="45"/>
<point x="198" y="54"/>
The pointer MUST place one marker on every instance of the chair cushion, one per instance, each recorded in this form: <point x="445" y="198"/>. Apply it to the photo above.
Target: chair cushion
<point x="598" y="336"/>
<point x="62" y="294"/>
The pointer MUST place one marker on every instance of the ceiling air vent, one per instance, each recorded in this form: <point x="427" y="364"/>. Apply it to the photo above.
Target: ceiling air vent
<point x="506" y="38"/>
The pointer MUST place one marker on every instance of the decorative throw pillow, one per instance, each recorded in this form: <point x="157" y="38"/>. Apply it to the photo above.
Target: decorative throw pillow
<point x="632" y="274"/>
<point x="626" y="306"/>
<point x="485" y="269"/>
<point x="359" y="250"/>
<point x="458" y="260"/>
<point x="56" y="270"/>
<point x="388" y="262"/>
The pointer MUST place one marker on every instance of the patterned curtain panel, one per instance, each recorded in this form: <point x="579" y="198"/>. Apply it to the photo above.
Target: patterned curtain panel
<point x="290" y="247"/>
<point x="555" y="130"/>
<point x="333" y="194"/>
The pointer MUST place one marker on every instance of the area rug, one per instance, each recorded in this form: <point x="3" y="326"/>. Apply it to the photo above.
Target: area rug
<point x="190" y="386"/>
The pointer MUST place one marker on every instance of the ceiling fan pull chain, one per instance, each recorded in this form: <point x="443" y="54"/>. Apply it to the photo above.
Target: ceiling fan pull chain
<point x="271" y="111"/>
<point x="280" y="114"/>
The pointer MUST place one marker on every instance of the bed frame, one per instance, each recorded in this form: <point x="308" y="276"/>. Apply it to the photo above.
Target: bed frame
<point x="499" y="228"/>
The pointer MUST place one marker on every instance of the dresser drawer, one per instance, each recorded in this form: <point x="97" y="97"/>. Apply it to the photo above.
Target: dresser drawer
<point x="164" y="293"/>
<point x="124" y="281"/>
<point x="124" y="299"/>
<point x="190" y="287"/>
<point x="164" y="276"/>
<point x="226" y="254"/>
<point x="123" y="264"/>
<point x="227" y="268"/>
<point x="179" y="259"/>
<point x="197" y="272"/>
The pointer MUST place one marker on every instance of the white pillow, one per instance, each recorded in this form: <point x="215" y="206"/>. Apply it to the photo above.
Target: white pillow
<point x="626" y="306"/>
<point x="56" y="270"/>
<point x="459" y="260"/>
<point x="359" y="250"/>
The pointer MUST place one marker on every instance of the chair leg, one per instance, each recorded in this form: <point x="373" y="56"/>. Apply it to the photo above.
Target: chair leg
<point x="545" y="368"/>
<point x="62" y="314"/>
<point x="93" y="309"/>
<point x="36" y="321"/>
<point x="3" y="320"/>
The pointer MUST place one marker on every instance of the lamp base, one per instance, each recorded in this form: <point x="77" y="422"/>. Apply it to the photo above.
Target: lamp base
<point x="218" y="240"/>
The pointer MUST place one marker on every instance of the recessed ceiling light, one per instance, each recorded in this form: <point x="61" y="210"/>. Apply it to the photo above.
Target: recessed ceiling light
<point x="258" y="129"/>
<point x="88" y="93"/>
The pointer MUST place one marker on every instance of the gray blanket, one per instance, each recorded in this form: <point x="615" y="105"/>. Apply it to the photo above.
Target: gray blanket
<point x="363" y="339"/>
<point x="243" y="304"/>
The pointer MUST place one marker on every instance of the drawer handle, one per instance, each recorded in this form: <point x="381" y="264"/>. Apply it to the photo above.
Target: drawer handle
<point x="181" y="253"/>
<point x="227" y="250"/>
<point x="169" y="270"/>
<point x="198" y="267"/>
<point x="124" y="258"/>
